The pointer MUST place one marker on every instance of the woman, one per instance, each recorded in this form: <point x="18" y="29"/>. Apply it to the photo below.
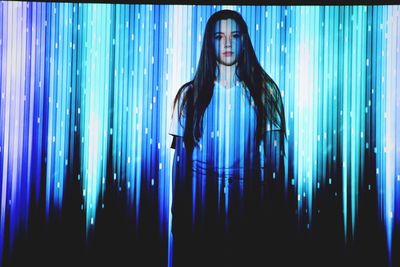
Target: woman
<point x="228" y="131"/>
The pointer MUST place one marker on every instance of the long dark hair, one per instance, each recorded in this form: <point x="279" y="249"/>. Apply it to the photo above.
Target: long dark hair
<point x="194" y="96"/>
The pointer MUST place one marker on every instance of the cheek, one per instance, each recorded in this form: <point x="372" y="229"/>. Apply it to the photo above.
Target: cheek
<point x="237" y="46"/>
<point x="217" y="47"/>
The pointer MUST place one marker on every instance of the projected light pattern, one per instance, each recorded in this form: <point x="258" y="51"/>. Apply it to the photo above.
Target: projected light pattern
<point x="95" y="80"/>
<point x="387" y="86"/>
<point x="87" y="89"/>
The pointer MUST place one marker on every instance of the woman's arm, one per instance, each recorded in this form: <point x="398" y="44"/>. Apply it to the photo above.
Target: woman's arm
<point x="179" y="163"/>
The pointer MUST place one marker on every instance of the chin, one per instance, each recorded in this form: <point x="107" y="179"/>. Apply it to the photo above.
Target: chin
<point x="230" y="63"/>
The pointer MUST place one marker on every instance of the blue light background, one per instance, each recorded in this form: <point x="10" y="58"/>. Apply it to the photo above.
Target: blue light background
<point x="102" y="77"/>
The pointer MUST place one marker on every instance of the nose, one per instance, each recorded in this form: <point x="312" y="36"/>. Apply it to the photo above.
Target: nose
<point x="228" y="42"/>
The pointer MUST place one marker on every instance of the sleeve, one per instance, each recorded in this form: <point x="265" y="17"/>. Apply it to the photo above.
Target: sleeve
<point x="272" y="151"/>
<point x="177" y="126"/>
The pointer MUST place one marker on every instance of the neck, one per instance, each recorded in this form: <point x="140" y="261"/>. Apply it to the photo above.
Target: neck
<point x="226" y="75"/>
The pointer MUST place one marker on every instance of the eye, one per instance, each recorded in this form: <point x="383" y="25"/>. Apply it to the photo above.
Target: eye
<point x="218" y="37"/>
<point x="236" y="35"/>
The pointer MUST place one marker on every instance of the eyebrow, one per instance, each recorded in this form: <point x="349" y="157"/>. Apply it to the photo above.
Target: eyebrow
<point x="223" y="33"/>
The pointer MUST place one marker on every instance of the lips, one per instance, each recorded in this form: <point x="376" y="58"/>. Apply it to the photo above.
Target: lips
<point x="227" y="53"/>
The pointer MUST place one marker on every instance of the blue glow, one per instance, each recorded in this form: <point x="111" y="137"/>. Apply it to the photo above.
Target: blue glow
<point x="87" y="91"/>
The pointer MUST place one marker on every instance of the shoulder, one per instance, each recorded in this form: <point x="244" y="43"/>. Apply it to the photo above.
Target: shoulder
<point x="182" y="97"/>
<point x="178" y="122"/>
<point x="184" y="90"/>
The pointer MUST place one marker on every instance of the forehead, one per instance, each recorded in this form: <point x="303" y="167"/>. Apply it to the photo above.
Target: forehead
<point x="224" y="25"/>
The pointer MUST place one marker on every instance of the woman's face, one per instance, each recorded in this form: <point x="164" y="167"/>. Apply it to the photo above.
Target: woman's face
<point x="227" y="42"/>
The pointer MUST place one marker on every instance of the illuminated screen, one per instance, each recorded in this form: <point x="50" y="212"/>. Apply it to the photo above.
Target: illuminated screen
<point x="86" y="108"/>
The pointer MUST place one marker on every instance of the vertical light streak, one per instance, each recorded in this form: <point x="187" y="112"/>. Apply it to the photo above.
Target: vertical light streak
<point x="305" y="121"/>
<point x="50" y="136"/>
<point x="135" y="165"/>
<point x="40" y="118"/>
<point x="390" y="114"/>
<point x="28" y="171"/>
<point x="16" y="93"/>
<point x="345" y="118"/>
<point x="377" y="91"/>
<point x="396" y="83"/>
<point x="5" y="125"/>
<point x="311" y="173"/>
<point x="95" y="108"/>
<point x="289" y="102"/>
<point x="298" y="130"/>
<point x="381" y="115"/>
<point x="137" y="108"/>
<point x="356" y="110"/>
<point x="117" y="125"/>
